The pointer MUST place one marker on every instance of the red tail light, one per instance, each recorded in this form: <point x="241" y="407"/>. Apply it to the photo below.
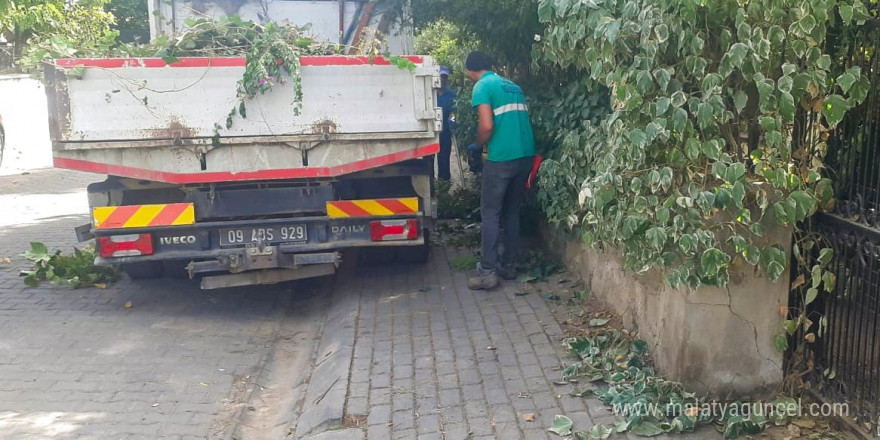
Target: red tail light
<point x="385" y="230"/>
<point x="125" y="245"/>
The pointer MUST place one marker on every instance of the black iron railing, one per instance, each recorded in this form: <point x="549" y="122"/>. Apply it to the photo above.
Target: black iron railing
<point x="846" y="356"/>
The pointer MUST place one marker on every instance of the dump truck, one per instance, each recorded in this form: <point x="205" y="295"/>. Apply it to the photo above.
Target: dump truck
<point x="276" y="196"/>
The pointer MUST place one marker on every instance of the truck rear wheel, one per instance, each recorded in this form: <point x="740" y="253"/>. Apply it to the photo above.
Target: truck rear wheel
<point x="377" y="256"/>
<point x="144" y="271"/>
<point x="175" y="269"/>
<point x="415" y="254"/>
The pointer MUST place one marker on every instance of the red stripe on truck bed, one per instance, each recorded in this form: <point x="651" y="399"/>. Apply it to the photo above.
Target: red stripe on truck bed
<point x="113" y="63"/>
<point x="228" y="176"/>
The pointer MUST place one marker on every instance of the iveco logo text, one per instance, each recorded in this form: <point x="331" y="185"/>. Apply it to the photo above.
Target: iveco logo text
<point x="347" y="229"/>
<point x="182" y="239"/>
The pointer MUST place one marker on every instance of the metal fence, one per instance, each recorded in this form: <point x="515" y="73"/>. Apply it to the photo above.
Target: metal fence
<point x="846" y="356"/>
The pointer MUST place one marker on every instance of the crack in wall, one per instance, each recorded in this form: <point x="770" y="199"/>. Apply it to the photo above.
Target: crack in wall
<point x="754" y="328"/>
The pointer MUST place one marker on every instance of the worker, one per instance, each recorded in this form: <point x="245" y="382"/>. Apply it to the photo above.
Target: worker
<point x="446" y="101"/>
<point x="505" y="131"/>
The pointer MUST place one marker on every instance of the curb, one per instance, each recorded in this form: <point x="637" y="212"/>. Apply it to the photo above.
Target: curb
<point x="324" y="405"/>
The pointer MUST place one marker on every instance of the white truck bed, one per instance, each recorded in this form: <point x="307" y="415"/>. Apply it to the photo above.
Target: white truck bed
<point x="144" y="119"/>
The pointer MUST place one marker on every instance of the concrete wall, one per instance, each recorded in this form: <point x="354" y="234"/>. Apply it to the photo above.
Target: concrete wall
<point x="715" y="340"/>
<point x="26" y="120"/>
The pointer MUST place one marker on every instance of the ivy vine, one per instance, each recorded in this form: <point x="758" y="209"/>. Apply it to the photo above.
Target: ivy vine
<point x="719" y="113"/>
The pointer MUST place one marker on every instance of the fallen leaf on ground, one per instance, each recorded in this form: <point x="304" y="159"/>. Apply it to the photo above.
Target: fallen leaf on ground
<point x="491" y="347"/>
<point x="529" y="417"/>
<point x="561" y="426"/>
<point x="127" y="305"/>
<point x="806" y="424"/>
<point x="203" y="384"/>
<point x="6" y="260"/>
<point x="598" y="322"/>
<point x="154" y="405"/>
<point x="101" y="286"/>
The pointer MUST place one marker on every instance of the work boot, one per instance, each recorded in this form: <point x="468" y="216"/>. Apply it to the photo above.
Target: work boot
<point x="482" y="279"/>
<point x="507" y="272"/>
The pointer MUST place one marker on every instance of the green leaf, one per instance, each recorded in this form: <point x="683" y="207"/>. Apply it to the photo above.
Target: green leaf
<point x="678" y="99"/>
<point x="786" y="105"/>
<point x="834" y="108"/>
<point x="775" y="270"/>
<point x="846" y="12"/>
<point x="812" y="293"/>
<point x="757" y="229"/>
<point x="647" y="429"/>
<point x="735" y="172"/>
<point x="705" y="115"/>
<point x="829" y="281"/>
<point x="638" y="137"/>
<point x="712" y="150"/>
<point x="740" y="99"/>
<point x="692" y="149"/>
<point x="657" y="237"/>
<point x="780" y="342"/>
<point x="790" y="326"/>
<point x="804" y="204"/>
<point x="713" y="261"/>
<point x="706" y="201"/>
<point x="679" y="120"/>
<point x="661" y="105"/>
<point x="738" y="192"/>
<point x="773" y="259"/>
<point x="662" y="77"/>
<point x="846" y="81"/>
<point x="600" y="432"/>
<point x="545" y="10"/>
<point x="807" y="24"/>
<point x="776" y="35"/>
<point x="752" y="254"/>
<point x="824" y="62"/>
<point x="561" y="425"/>
<point x="738" y="54"/>
<point x="662" y="32"/>
<point x="39" y="248"/>
<point x="825" y="256"/>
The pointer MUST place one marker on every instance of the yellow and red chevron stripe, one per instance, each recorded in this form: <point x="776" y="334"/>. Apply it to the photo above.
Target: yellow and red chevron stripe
<point x="140" y="216"/>
<point x="372" y="207"/>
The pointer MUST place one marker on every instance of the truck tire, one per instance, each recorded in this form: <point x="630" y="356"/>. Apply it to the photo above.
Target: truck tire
<point x="415" y="254"/>
<point x="176" y="269"/>
<point x="377" y="256"/>
<point x="144" y="271"/>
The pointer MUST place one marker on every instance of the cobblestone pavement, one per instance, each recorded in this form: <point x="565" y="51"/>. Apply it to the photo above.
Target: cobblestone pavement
<point x="393" y="352"/>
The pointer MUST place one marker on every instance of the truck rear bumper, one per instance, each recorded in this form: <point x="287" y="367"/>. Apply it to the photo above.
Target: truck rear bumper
<point x="262" y="244"/>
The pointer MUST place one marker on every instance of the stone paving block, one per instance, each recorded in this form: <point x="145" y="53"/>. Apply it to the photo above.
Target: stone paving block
<point x="339" y="434"/>
<point x="379" y="432"/>
<point x="406" y="434"/>
<point x="379" y="415"/>
<point x="428" y="423"/>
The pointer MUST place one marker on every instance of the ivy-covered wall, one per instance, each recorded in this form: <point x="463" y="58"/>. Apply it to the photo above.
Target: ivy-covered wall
<point x="714" y="340"/>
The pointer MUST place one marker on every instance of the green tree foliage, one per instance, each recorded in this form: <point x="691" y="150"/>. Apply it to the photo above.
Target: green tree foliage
<point x="719" y="112"/>
<point x="446" y="43"/>
<point x="505" y="28"/>
<point x="81" y="23"/>
<point x="132" y="19"/>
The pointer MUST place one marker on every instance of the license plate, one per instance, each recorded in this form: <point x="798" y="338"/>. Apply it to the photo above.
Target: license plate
<point x="294" y="234"/>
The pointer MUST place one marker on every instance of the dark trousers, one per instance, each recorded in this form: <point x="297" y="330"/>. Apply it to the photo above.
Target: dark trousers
<point x="443" y="157"/>
<point x="504" y="185"/>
